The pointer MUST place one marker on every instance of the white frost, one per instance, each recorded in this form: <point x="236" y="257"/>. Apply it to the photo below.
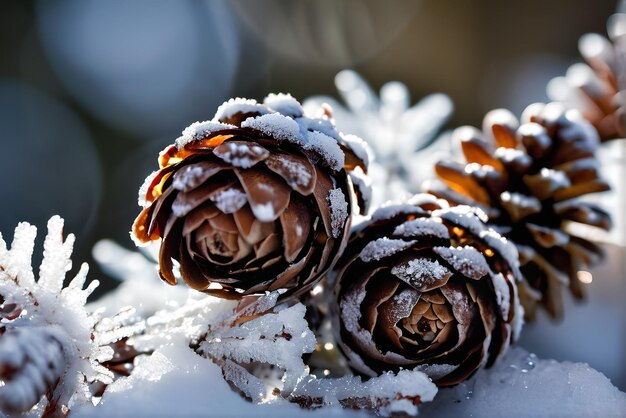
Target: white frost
<point x="383" y="247"/>
<point x="338" y="211"/>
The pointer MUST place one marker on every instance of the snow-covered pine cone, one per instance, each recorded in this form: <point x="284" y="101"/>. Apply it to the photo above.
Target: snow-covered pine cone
<point x="598" y="88"/>
<point x="427" y="286"/>
<point x="528" y="179"/>
<point x="259" y="198"/>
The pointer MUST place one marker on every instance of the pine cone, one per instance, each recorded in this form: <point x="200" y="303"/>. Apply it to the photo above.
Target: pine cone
<point x="427" y="286"/>
<point x="528" y="179"/>
<point x="598" y="88"/>
<point x="259" y="198"/>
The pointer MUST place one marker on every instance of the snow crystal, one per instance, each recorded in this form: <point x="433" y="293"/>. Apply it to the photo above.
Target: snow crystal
<point x="239" y="105"/>
<point x="229" y="200"/>
<point x="383" y="247"/>
<point x="264" y="212"/>
<point x="323" y="125"/>
<point x="363" y="184"/>
<point x="278" y="339"/>
<point x="502" y="246"/>
<point x="241" y="155"/>
<point x="420" y="273"/>
<point x="143" y="190"/>
<point x="422" y="226"/>
<point x="327" y="147"/>
<point x="338" y="211"/>
<point x="503" y="294"/>
<point x="277" y="126"/>
<point x="360" y="148"/>
<point x="512" y="156"/>
<point x="520" y="200"/>
<point x="389" y="211"/>
<point x="466" y="217"/>
<point x="200" y="130"/>
<point x="468" y="260"/>
<point x="521" y="385"/>
<point x="285" y="104"/>
<point x="556" y="178"/>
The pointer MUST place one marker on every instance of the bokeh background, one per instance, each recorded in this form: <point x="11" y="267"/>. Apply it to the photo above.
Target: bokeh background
<point x="90" y="91"/>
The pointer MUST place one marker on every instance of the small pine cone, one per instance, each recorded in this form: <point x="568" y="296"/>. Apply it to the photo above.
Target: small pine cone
<point x="427" y="286"/>
<point x="528" y="179"/>
<point x="258" y="199"/>
<point x="598" y="88"/>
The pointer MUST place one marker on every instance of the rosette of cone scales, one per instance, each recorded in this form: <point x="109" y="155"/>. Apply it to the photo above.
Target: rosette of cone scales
<point x="259" y="198"/>
<point x="530" y="179"/>
<point x="597" y="88"/>
<point x="422" y="285"/>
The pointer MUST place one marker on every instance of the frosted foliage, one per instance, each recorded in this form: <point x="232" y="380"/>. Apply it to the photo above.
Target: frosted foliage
<point x="229" y="200"/>
<point x="422" y="226"/>
<point x="395" y="131"/>
<point x="338" y="211"/>
<point x="522" y="386"/>
<point x="468" y="260"/>
<point x="52" y="318"/>
<point x="175" y="381"/>
<point x="385" y="394"/>
<point x="420" y="272"/>
<point x="275" y="125"/>
<point x="383" y="247"/>
<point x="278" y="339"/>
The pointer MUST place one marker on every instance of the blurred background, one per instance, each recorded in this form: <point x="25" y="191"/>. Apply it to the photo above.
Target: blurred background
<point x="91" y="91"/>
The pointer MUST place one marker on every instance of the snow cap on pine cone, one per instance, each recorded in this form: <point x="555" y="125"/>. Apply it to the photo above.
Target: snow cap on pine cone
<point x="427" y="287"/>
<point x="257" y="199"/>
<point x="529" y="179"/>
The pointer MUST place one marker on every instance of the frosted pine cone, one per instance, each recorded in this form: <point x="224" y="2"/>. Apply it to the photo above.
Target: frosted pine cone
<point x="528" y="178"/>
<point x="427" y="286"/>
<point x="257" y="199"/>
<point x="598" y="88"/>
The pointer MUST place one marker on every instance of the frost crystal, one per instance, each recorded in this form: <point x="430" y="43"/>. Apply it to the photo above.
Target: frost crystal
<point x="421" y="273"/>
<point x="50" y="344"/>
<point x="468" y="260"/>
<point x="198" y="130"/>
<point x="275" y="125"/>
<point x="383" y="247"/>
<point x="338" y="211"/>
<point x="229" y="200"/>
<point x="421" y="226"/>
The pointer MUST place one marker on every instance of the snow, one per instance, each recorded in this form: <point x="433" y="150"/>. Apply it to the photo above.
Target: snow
<point x="242" y="155"/>
<point x="327" y="147"/>
<point x="466" y="217"/>
<point x="360" y="148"/>
<point x="239" y="105"/>
<point x="522" y="386"/>
<point x="143" y="190"/>
<point x="285" y="104"/>
<point x="383" y="247"/>
<point x="277" y="126"/>
<point x="199" y="130"/>
<point x="422" y="226"/>
<point x="338" y="211"/>
<point x="421" y="273"/>
<point x="502" y="246"/>
<point x="363" y="184"/>
<point x="391" y="210"/>
<point x="229" y="200"/>
<point x="264" y="212"/>
<point x="176" y="382"/>
<point x="468" y="260"/>
<point x="503" y="294"/>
